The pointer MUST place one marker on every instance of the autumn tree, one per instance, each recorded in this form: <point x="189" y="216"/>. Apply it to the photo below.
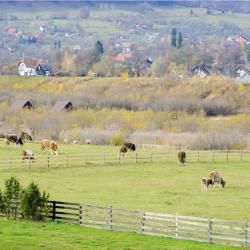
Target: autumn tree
<point x="173" y="37"/>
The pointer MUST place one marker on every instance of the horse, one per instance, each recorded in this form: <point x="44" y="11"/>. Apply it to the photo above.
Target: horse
<point x="123" y="150"/>
<point x="182" y="157"/>
<point x="14" y="139"/>
<point x="130" y="146"/>
<point x="52" y="145"/>
<point x="28" y="155"/>
<point x="217" y="179"/>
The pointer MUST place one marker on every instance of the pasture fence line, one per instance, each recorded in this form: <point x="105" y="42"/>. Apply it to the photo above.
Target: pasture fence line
<point x="83" y="159"/>
<point x="209" y="230"/>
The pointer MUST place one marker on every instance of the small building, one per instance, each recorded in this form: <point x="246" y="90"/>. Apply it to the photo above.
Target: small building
<point x="44" y="70"/>
<point x="243" y="73"/>
<point x="122" y="57"/>
<point x="201" y="70"/>
<point x="27" y="67"/>
<point x="237" y="39"/>
<point x="63" y="106"/>
<point x="22" y="104"/>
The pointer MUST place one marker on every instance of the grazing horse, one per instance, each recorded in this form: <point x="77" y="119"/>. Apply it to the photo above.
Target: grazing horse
<point x="130" y="146"/>
<point x="205" y="182"/>
<point x="26" y="136"/>
<point x="123" y="150"/>
<point x="28" y="155"/>
<point x="217" y="179"/>
<point x="182" y="157"/>
<point x="52" y="145"/>
<point x="14" y="138"/>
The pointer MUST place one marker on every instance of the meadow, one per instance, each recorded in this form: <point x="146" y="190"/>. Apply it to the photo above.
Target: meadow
<point x="30" y="235"/>
<point x="152" y="186"/>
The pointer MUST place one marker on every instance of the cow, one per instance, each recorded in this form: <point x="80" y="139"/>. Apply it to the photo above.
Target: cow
<point x="87" y="141"/>
<point x="28" y="155"/>
<point x="14" y="138"/>
<point x="75" y="142"/>
<point x="26" y="136"/>
<point x="217" y="179"/>
<point x="182" y="157"/>
<point x="123" y="150"/>
<point x="205" y="182"/>
<point x="130" y="146"/>
<point x="52" y="145"/>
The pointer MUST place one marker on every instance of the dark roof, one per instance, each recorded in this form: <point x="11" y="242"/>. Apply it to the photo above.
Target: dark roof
<point x="62" y="105"/>
<point x="202" y="67"/>
<point x="19" y="104"/>
<point x="243" y="67"/>
<point x="46" y="67"/>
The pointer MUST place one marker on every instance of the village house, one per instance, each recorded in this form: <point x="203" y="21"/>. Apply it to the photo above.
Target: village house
<point x="22" y="104"/>
<point x="122" y="57"/>
<point x="201" y="70"/>
<point x="63" y="106"/>
<point x="27" y="67"/>
<point x="237" y="39"/>
<point x="44" y="70"/>
<point x="243" y="73"/>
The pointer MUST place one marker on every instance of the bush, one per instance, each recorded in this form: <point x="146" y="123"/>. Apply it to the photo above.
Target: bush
<point x="34" y="205"/>
<point x="10" y="197"/>
<point x="117" y="140"/>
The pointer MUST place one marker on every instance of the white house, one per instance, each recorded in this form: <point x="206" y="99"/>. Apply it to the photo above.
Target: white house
<point x="24" y="70"/>
<point x="243" y="73"/>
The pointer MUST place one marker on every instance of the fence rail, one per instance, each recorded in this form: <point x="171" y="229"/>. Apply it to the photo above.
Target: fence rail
<point x="233" y="233"/>
<point x="66" y="160"/>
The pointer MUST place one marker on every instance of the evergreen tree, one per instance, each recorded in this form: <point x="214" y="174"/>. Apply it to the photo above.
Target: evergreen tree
<point x="99" y="48"/>
<point x="173" y="37"/>
<point x="179" y="40"/>
<point x="248" y="55"/>
<point x="191" y="12"/>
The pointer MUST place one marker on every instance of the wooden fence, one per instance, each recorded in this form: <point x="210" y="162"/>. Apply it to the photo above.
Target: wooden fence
<point x="66" y="160"/>
<point x="233" y="233"/>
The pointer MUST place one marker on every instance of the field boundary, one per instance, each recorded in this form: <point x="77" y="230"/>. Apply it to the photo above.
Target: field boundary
<point x="84" y="159"/>
<point x="207" y="230"/>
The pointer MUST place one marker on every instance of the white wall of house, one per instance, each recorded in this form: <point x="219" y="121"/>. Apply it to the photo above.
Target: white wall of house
<point x="23" y="70"/>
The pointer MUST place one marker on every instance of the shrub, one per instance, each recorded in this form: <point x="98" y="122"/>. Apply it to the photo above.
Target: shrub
<point x="34" y="205"/>
<point x="117" y="140"/>
<point x="10" y="197"/>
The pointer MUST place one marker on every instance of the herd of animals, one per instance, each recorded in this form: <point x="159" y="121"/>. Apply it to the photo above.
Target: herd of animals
<point x="213" y="179"/>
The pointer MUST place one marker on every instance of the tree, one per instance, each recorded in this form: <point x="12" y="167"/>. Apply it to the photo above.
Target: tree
<point x="173" y="37"/>
<point x="248" y="55"/>
<point x="209" y="11"/>
<point x="84" y="13"/>
<point x="191" y="12"/>
<point x="99" y="48"/>
<point x="179" y="40"/>
<point x="34" y="205"/>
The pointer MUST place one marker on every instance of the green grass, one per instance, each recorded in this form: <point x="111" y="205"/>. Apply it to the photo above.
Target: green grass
<point x="156" y="187"/>
<point x="28" y="235"/>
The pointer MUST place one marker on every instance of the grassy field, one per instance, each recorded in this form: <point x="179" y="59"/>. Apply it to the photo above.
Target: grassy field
<point x="156" y="187"/>
<point x="28" y="235"/>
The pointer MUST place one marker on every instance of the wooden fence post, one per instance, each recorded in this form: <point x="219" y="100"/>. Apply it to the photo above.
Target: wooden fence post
<point x="29" y="162"/>
<point x="176" y="225"/>
<point x="48" y="160"/>
<point x="241" y="155"/>
<point x="67" y="160"/>
<point x="213" y="155"/>
<point x="86" y="159"/>
<point x="110" y="218"/>
<point x="210" y="228"/>
<point x="119" y="158"/>
<point x="142" y="222"/>
<point x="198" y="156"/>
<point x="151" y="157"/>
<point x="80" y="213"/>
<point x="227" y="155"/>
<point x="53" y="210"/>
<point x="136" y="158"/>
<point x="245" y="230"/>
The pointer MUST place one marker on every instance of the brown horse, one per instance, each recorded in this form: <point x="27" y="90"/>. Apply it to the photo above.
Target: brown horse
<point x="52" y="145"/>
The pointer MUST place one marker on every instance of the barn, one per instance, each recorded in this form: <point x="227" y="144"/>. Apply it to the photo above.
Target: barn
<point x="22" y="104"/>
<point x="63" y="106"/>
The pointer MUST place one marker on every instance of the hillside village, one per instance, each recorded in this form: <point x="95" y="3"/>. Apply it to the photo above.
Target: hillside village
<point x="139" y="41"/>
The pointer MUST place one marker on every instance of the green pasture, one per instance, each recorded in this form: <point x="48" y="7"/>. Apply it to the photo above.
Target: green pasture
<point x="152" y="186"/>
<point x="29" y="235"/>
